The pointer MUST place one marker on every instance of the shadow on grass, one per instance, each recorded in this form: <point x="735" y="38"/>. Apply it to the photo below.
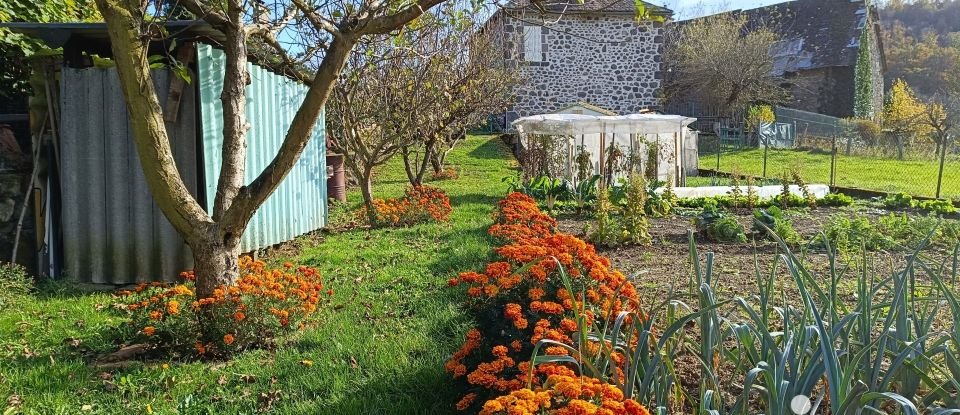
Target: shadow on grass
<point x="475" y="199"/>
<point x="493" y="148"/>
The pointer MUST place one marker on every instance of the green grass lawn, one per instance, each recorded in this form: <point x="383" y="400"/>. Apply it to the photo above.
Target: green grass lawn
<point x="379" y="349"/>
<point x="914" y="177"/>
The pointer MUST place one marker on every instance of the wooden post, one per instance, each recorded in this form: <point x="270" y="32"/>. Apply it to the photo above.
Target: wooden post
<point x="603" y="175"/>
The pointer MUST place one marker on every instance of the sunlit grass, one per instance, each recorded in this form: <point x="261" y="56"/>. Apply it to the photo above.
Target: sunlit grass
<point x="378" y="349"/>
<point x="915" y="177"/>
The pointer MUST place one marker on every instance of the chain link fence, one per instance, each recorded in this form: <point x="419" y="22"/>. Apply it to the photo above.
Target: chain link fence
<point x="829" y="150"/>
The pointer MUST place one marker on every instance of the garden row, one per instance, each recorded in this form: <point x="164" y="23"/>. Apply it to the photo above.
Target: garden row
<point x="559" y="331"/>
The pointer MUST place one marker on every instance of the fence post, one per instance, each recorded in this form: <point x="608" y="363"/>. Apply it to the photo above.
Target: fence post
<point x="719" y="149"/>
<point x="833" y="163"/>
<point x="943" y="156"/>
<point x="766" y="148"/>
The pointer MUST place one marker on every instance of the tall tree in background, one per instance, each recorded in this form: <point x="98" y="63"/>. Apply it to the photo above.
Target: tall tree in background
<point x="921" y="41"/>
<point x="904" y="115"/>
<point x="863" y="79"/>
<point x="330" y="31"/>
<point x="724" y="62"/>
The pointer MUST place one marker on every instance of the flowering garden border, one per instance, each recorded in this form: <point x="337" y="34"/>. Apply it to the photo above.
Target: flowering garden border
<point x="524" y="298"/>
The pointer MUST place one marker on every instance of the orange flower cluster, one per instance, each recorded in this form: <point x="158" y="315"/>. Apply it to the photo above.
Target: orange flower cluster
<point x="261" y="304"/>
<point x="565" y="395"/>
<point x="419" y="204"/>
<point x="520" y="298"/>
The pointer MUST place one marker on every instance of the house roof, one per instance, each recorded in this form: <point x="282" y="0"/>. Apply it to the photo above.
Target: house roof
<point x="814" y="33"/>
<point x="587" y="6"/>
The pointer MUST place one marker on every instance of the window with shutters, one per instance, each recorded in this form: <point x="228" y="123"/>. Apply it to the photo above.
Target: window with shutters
<point x="532" y="46"/>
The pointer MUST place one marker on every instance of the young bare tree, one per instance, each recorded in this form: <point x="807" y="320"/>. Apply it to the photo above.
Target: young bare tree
<point x="416" y="93"/>
<point x="469" y="80"/>
<point x="724" y="61"/>
<point x="372" y="108"/>
<point x="330" y="29"/>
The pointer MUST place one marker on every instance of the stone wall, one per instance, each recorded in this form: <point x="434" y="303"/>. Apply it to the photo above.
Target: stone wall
<point x="609" y="60"/>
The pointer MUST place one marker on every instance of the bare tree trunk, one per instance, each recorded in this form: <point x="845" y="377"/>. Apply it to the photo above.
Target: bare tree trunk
<point x="215" y="263"/>
<point x="417" y="168"/>
<point x="437" y="162"/>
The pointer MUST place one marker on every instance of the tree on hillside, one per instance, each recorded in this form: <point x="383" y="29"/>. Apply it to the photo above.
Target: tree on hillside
<point x="725" y="62"/>
<point x="904" y="115"/>
<point x="331" y="30"/>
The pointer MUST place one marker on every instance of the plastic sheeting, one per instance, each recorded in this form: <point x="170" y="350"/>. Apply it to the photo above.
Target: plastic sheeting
<point x="633" y="134"/>
<point x="763" y="192"/>
<point x="577" y="124"/>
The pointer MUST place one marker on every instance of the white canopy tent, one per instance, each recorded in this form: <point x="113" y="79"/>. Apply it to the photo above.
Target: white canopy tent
<point x="632" y="133"/>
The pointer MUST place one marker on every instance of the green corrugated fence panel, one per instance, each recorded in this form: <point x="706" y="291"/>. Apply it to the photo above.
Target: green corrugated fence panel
<point x="299" y="204"/>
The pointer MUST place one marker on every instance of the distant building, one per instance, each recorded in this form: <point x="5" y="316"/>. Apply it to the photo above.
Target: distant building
<point x="596" y="52"/>
<point x="817" y="54"/>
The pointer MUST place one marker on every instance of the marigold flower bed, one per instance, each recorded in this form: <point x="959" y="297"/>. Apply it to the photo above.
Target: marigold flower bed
<point x="521" y="299"/>
<point x="263" y="304"/>
<point x="419" y="204"/>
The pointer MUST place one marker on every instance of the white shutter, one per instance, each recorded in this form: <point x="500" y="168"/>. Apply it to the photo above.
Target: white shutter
<point x="532" y="48"/>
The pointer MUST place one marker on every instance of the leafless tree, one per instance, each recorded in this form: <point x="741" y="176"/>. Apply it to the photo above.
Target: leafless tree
<point x="470" y="79"/>
<point x="326" y="31"/>
<point x="724" y="61"/>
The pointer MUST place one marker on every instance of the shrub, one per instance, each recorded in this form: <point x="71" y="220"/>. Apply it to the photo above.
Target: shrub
<point x="938" y="206"/>
<point x="836" y="199"/>
<point x="419" y="204"/>
<point x="520" y="298"/>
<point x="15" y="284"/>
<point x="263" y="305"/>
<point x="720" y="227"/>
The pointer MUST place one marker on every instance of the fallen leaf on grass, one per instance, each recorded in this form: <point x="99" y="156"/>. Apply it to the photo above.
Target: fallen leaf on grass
<point x="306" y="362"/>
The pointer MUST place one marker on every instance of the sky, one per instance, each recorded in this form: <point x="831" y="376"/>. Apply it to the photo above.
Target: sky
<point x="686" y="9"/>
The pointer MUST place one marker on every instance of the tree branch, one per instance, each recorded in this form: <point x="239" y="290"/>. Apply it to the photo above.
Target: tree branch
<point x="146" y="120"/>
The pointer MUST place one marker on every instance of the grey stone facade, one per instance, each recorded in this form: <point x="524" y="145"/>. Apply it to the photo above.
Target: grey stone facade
<point x="605" y="59"/>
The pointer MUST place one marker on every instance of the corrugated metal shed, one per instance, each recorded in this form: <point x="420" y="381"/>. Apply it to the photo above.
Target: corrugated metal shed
<point x="112" y="231"/>
<point x="299" y="205"/>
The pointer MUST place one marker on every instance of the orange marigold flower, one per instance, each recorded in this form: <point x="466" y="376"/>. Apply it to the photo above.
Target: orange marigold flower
<point x="149" y="331"/>
<point x="156" y="315"/>
<point x="499" y="351"/>
<point x="228" y="339"/>
<point x="239" y="316"/>
<point x="467" y="400"/>
<point x="173" y="307"/>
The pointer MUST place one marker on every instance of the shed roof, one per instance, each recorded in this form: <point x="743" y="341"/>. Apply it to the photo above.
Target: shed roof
<point x="56" y="35"/>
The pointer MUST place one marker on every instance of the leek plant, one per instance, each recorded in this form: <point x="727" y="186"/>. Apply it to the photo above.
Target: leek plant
<point x="892" y="347"/>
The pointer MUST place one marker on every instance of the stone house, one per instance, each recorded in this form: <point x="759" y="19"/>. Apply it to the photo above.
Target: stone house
<point x="596" y="52"/>
<point x="820" y="42"/>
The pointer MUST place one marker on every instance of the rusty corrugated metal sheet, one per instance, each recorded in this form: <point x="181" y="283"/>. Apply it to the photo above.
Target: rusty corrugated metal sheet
<point x="299" y="205"/>
<point x="112" y="231"/>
